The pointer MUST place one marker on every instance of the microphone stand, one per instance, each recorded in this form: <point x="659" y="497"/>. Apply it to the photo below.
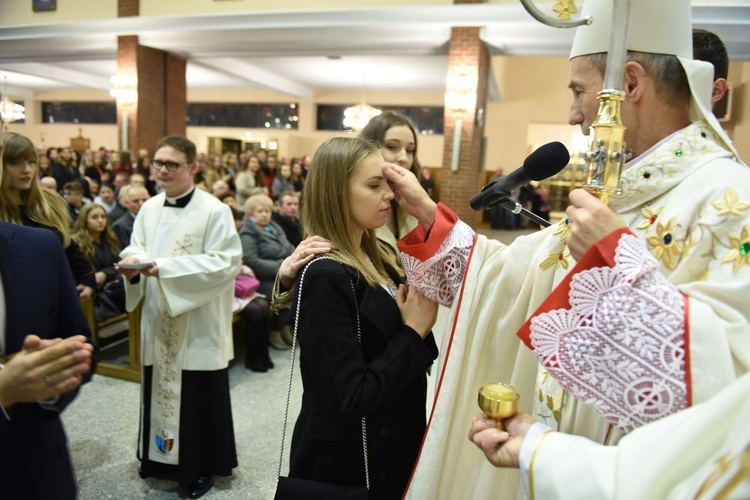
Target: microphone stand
<point x="512" y="205"/>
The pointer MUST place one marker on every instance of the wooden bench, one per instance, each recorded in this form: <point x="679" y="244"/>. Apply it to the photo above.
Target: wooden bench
<point x="132" y="369"/>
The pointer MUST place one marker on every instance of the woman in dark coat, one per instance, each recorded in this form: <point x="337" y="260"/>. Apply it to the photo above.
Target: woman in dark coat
<point x="365" y="340"/>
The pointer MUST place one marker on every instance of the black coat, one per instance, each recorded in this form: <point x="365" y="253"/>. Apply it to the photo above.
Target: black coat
<point x="292" y="228"/>
<point x="383" y="379"/>
<point x="40" y="298"/>
<point x="123" y="228"/>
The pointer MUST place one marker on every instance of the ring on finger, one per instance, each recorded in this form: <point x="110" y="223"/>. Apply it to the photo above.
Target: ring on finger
<point x="48" y="381"/>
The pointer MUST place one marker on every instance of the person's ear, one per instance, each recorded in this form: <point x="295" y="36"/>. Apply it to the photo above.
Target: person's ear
<point x="720" y="88"/>
<point x="634" y="80"/>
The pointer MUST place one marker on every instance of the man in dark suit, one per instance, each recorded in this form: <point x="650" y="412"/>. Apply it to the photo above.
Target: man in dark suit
<point x="288" y="217"/>
<point x="134" y="198"/>
<point x="41" y="372"/>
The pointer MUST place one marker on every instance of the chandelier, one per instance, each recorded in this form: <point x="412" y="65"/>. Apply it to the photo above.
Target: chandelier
<point x="10" y="111"/>
<point x="357" y="116"/>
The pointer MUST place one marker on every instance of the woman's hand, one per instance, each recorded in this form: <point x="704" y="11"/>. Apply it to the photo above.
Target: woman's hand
<point x="101" y="277"/>
<point x="417" y="311"/>
<point x="304" y="253"/>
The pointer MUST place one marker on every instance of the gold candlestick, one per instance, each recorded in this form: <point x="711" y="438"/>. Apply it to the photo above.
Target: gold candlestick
<point x="498" y="401"/>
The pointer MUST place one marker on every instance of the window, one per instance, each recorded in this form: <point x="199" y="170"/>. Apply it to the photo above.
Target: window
<point x="428" y="120"/>
<point x="271" y="116"/>
<point x="79" y="112"/>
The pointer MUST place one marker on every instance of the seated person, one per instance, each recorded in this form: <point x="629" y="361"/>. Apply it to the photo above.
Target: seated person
<point x="256" y="311"/>
<point x="73" y="194"/>
<point x="99" y="244"/>
<point x="134" y="197"/>
<point x="264" y="247"/>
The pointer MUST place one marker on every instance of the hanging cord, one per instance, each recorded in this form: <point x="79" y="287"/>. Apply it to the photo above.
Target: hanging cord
<point x="291" y="372"/>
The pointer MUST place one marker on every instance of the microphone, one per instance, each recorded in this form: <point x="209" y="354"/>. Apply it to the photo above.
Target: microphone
<point x="545" y="162"/>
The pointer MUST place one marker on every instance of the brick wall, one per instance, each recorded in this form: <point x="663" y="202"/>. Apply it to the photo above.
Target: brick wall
<point x="468" y="68"/>
<point x="128" y="8"/>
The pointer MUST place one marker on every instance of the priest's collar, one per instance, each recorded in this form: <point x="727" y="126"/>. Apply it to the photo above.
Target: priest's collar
<point x="179" y="201"/>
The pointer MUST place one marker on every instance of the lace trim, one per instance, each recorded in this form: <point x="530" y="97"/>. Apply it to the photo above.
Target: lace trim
<point x="620" y="347"/>
<point x="439" y="278"/>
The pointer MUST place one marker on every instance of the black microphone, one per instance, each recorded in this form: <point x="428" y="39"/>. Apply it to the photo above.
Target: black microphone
<point x="545" y="162"/>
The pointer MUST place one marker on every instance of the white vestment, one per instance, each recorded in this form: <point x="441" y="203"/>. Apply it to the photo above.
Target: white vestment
<point x="187" y="311"/>
<point x="701" y="452"/>
<point x="664" y="327"/>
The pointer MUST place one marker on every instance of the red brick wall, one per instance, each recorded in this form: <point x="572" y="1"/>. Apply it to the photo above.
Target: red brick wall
<point x="128" y="8"/>
<point x="467" y="55"/>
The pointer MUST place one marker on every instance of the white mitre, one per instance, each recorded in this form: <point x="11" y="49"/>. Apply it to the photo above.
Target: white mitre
<point x="657" y="27"/>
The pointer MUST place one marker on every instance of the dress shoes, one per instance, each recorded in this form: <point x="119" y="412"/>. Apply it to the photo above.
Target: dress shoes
<point x="255" y="363"/>
<point x="275" y="341"/>
<point x="201" y="486"/>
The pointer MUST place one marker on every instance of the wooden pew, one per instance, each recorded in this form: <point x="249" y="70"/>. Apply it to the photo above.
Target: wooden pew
<point x="131" y="370"/>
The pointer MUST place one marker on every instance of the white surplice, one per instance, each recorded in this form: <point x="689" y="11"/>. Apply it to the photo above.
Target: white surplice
<point x="187" y="311"/>
<point x="666" y="324"/>
<point x="701" y="452"/>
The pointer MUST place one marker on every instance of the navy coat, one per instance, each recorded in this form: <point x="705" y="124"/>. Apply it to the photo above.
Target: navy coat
<point x="40" y="298"/>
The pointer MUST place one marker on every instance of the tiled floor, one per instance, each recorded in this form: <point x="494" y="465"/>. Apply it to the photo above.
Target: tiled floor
<point x="102" y="426"/>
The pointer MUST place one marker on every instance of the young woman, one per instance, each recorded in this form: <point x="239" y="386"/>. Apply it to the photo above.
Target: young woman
<point x="106" y="197"/>
<point x="44" y="167"/>
<point x="23" y="201"/>
<point x="283" y="181"/>
<point x="99" y="244"/>
<point x="249" y="180"/>
<point x="298" y="175"/>
<point x="365" y="341"/>
<point x="397" y="138"/>
<point x="269" y="171"/>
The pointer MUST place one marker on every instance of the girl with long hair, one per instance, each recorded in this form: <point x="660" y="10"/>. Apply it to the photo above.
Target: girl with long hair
<point x="24" y="202"/>
<point x="249" y="180"/>
<point x="397" y="137"/>
<point x="99" y="244"/>
<point x="365" y="340"/>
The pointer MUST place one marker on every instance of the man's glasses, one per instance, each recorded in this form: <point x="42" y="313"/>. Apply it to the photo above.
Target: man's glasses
<point x="172" y="166"/>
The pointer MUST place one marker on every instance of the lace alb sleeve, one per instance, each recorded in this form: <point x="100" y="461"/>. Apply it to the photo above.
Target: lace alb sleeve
<point x="619" y="343"/>
<point x="440" y="275"/>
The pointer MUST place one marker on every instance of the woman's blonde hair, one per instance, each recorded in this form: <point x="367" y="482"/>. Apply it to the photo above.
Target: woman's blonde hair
<point x="85" y="239"/>
<point x="42" y="206"/>
<point x="326" y="207"/>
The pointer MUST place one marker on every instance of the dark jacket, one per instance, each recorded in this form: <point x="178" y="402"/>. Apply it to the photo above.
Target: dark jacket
<point x="83" y="272"/>
<point x="292" y="228"/>
<point x="123" y="228"/>
<point x="40" y="298"/>
<point x="264" y="252"/>
<point x="383" y="379"/>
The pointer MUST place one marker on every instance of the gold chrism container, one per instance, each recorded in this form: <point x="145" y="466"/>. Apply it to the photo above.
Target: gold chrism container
<point x="498" y="401"/>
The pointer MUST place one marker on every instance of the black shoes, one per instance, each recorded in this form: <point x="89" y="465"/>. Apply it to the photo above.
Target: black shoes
<point x="201" y="486"/>
<point x="255" y="362"/>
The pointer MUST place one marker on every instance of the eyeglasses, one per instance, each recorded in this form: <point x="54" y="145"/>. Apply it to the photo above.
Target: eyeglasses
<point x="172" y="166"/>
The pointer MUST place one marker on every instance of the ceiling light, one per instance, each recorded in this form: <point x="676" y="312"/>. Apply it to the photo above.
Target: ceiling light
<point x="10" y="111"/>
<point x="356" y="117"/>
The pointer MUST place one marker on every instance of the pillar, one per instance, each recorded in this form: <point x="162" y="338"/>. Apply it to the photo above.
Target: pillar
<point x="465" y="102"/>
<point x="159" y="103"/>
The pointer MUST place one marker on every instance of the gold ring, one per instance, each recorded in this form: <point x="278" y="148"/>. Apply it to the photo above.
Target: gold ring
<point x="47" y="381"/>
